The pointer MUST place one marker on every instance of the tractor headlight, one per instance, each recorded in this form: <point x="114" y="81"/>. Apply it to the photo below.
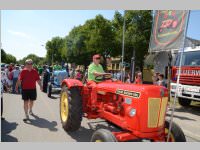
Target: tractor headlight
<point x="132" y="112"/>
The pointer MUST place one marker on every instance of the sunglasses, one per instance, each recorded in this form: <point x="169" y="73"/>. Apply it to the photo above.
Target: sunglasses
<point x="29" y="63"/>
<point x="98" y="58"/>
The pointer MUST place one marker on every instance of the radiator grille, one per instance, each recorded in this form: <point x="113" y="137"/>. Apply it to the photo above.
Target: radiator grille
<point x="153" y="112"/>
<point x="162" y="111"/>
<point x="156" y="111"/>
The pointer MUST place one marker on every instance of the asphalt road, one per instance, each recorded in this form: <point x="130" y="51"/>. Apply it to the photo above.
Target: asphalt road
<point x="45" y="125"/>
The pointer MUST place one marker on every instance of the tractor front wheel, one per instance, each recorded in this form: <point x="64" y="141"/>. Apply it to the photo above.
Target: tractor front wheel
<point x="176" y="134"/>
<point x="70" y="108"/>
<point x="103" y="135"/>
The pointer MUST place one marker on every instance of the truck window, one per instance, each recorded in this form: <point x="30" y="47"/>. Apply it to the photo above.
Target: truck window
<point x="191" y="58"/>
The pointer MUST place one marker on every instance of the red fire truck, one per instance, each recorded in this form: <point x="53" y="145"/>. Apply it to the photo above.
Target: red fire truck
<point x="189" y="87"/>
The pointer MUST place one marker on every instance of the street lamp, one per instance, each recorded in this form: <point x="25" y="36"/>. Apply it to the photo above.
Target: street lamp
<point x="123" y="37"/>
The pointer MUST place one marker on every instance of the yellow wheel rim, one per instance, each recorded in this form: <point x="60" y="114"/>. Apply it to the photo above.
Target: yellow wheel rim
<point x="171" y="137"/>
<point x="98" y="141"/>
<point x="64" y="107"/>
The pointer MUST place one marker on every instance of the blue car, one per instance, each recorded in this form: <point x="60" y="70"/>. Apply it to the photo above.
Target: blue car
<point x="54" y="85"/>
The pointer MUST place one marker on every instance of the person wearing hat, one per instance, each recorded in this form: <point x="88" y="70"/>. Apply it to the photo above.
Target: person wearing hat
<point x="95" y="69"/>
<point x="27" y="79"/>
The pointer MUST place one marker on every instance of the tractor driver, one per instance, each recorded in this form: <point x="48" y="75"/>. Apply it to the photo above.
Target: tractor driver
<point x="95" y="69"/>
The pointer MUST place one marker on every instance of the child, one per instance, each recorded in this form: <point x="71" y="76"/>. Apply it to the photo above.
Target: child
<point x="138" y="78"/>
<point x="161" y="81"/>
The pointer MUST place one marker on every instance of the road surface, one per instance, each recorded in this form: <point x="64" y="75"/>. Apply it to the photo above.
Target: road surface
<point x="45" y="125"/>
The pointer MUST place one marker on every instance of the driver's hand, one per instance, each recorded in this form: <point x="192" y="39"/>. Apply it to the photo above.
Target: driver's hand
<point x="113" y="79"/>
<point x="108" y="74"/>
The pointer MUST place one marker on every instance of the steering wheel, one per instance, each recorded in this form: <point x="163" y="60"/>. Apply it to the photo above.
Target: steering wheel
<point x="104" y="77"/>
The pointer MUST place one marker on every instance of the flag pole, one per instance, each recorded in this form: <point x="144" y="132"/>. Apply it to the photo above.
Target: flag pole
<point x="178" y="79"/>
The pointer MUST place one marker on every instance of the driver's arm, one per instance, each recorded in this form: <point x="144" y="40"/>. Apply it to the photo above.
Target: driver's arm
<point x="98" y="73"/>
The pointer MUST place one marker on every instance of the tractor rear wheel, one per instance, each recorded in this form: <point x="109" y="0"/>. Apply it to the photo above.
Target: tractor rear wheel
<point x="184" y="102"/>
<point x="176" y="134"/>
<point x="70" y="108"/>
<point x="103" y="135"/>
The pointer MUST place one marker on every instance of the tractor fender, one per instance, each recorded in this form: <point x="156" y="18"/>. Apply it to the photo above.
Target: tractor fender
<point x="72" y="83"/>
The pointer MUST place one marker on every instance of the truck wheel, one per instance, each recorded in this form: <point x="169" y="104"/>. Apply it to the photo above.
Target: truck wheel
<point x="70" y="108"/>
<point x="176" y="134"/>
<point x="49" y="90"/>
<point x="184" y="102"/>
<point x="103" y="135"/>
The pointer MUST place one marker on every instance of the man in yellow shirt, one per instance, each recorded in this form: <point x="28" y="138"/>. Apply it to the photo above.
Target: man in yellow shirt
<point x="95" y="70"/>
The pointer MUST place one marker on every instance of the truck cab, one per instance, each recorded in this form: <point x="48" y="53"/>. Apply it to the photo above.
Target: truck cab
<point x="189" y="87"/>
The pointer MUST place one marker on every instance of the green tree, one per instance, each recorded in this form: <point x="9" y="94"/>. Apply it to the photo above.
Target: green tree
<point x="137" y="34"/>
<point x="76" y="51"/>
<point x="95" y="36"/>
<point x="7" y="58"/>
<point x="100" y="35"/>
<point x="3" y="56"/>
<point x="55" y="49"/>
<point x="36" y="59"/>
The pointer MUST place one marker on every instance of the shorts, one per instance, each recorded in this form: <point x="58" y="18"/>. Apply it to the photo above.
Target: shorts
<point x="29" y="94"/>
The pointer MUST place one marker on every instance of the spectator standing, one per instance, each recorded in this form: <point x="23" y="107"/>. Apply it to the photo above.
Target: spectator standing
<point x="78" y="75"/>
<point x="118" y="75"/>
<point x="15" y="73"/>
<point x="10" y="78"/>
<point x="161" y="81"/>
<point x="46" y="78"/>
<point x="138" y="77"/>
<point x="128" y="80"/>
<point x="155" y="78"/>
<point x="28" y="78"/>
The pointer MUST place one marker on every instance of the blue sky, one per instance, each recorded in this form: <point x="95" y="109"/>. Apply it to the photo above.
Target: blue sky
<point x="25" y="31"/>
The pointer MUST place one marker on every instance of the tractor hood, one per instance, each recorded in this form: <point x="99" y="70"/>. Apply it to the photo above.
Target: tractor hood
<point x="128" y="89"/>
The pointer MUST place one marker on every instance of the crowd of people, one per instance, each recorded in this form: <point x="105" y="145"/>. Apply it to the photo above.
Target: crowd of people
<point x="11" y="73"/>
<point x="16" y="79"/>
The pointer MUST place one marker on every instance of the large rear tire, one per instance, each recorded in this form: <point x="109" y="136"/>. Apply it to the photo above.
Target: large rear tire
<point x="70" y="108"/>
<point x="184" y="102"/>
<point x="176" y="134"/>
<point x="103" y="135"/>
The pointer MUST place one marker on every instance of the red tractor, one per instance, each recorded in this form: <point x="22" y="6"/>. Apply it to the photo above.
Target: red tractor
<point x="139" y="111"/>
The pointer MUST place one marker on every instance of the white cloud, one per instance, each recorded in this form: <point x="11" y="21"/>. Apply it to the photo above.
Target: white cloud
<point x="21" y="34"/>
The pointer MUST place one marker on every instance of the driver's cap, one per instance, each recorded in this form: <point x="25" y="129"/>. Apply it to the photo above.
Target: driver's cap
<point x="96" y="56"/>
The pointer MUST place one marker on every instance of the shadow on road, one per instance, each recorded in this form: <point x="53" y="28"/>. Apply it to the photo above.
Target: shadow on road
<point x="82" y="135"/>
<point x="43" y="123"/>
<point x="6" y="128"/>
<point x="53" y="97"/>
<point x="190" y="109"/>
<point x="85" y="134"/>
<point x="181" y="117"/>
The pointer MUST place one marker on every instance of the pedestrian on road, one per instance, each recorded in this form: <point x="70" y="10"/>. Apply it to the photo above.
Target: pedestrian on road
<point x="27" y="79"/>
<point x="15" y="73"/>
<point x="46" y="78"/>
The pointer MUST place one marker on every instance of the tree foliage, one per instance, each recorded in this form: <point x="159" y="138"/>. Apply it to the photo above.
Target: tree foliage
<point x="100" y="34"/>
<point x="36" y="59"/>
<point x="7" y="58"/>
